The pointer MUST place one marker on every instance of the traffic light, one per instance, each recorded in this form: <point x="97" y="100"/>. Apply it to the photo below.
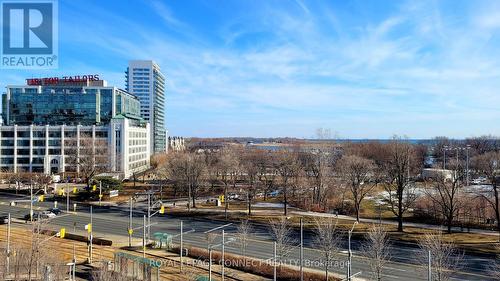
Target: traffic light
<point x="162" y="209"/>
<point x="94" y="187"/>
<point x="221" y="198"/>
<point x="62" y="233"/>
<point x="75" y="190"/>
<point x="41" y="198"/>
<point x="88" y="227"/>
<point x="130" y="231"/>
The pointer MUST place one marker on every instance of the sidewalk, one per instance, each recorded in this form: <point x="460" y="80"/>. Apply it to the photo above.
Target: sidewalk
<point x="391" y="222"/>
<point x="297" y="212"/>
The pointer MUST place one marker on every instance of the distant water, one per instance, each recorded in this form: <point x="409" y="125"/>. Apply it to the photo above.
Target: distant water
<point x="412" y="141"/>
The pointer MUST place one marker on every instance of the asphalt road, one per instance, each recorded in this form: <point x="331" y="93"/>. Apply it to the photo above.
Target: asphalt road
<point x="404" y="265"/>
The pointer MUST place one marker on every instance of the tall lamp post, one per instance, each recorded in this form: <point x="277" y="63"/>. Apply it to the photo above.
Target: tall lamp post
<point x="467" y="148"/>
<point x="444" y="156"/>
<point x="349" y="268"/>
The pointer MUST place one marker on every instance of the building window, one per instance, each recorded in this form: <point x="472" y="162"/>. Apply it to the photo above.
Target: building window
<point x="23" y="142"/>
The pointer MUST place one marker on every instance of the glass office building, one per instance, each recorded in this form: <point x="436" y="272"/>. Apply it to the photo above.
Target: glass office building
<point x="52" y="128"/>
<point x="145" y="80"/>
<point x="66" y="105"/>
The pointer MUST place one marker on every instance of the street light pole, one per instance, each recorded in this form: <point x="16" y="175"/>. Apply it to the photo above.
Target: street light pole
<point x="429" y="267"/>
<point x="349" y="268"/>
<point x="149" y="214"/>
<point x="274" y="262"/>
<point x="31" y="200"/>
<point x="67" y="198"/>
<point x="467" y="162"/>
<point x="74" y="246"/>
<point x="444" y="156"/>
<point x="144" y="237"/>
<point x="209" y="263"/>
<point x="222" y="257"/>
<point x="301" y="250"/>
<point x="91" y="235"/>
<point x="130" y="225"/>
<point x="100" y="192"/>
<point x="8" y="247"/>
<point x="180" y="256"/>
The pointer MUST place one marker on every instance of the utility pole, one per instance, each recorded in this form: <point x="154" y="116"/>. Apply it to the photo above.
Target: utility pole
<point x="444" y="156"/>
<point x="74" y="253"/>
<point x="274" y="262"/>
<point x="8" y="247"/>
<point x="31" y="200"/>
<point x="209" y="263"/>
<point x="180" y="256"/>
<point x="130" y="225"/>
<point x="222" y="257"/>
<point x="67" y="197"/>
<point x="429" y="273"/>
<point x="149" y="214"/>
<point x="349" y="268"/>
<point x="100" y="192"/>
<point x="91" y="236"/>
<point x="144" y="237"/>
<point x="467" y="162"/>
<point x="301" y="249"/>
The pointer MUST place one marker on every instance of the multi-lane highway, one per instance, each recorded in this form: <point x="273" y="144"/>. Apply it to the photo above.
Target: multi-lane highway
<point x="112" y="222"/>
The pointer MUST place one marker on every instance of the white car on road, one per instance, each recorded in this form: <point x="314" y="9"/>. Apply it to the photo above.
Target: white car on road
<point x="47" y="215"/>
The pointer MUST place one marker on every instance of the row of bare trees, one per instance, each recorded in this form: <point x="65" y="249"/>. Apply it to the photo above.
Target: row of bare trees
<point x="318" y="173"/>
<point x="29" y="259"/>
<point x="376" y="248"/>
<point x="326" y="175"/>
<point x="448" y="196"/>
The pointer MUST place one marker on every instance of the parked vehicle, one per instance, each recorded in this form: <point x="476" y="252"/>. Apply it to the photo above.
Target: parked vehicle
<point x="233" y="196"/>
<point x="275" y="193"/>
<point x="27" y="217"/>
<point x="47" y="215"/>
<point x="56" y="211"/>
<point x="4" y="219"/>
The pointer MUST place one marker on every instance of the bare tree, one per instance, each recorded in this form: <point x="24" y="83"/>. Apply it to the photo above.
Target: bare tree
<point x="489" y="164"/>
<point x="287" y="167"/>
<point x="281" y="230"/>
<point x="188" y="169"/>
<point x="484" y="144"/>
<point x="400" y="195"/>
<point x="376" y="248"/>
<point x="211" y="238"/>
<point x="318" y="166"/>
<point x="90" y="157"/>
<point x="228" y="165"/>
<point x="445" y="193"/>
<point x="327" y="240"/>
<point x="243" y="234"/>
<point x="445" y="258"/>
<point x="212" y="159"/>
<point x="359" y="173"/>
<point x="250" y="168"/>
<point x="102" y="273"/>
<point x="268" y="173"/>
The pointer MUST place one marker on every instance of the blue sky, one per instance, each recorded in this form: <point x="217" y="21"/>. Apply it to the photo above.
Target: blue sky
<point x="364" y="69"/>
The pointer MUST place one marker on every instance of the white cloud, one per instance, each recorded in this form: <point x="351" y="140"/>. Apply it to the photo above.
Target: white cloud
<point x="415" y="66"/>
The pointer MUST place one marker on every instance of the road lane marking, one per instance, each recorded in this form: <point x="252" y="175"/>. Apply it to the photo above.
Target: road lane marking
<point x="393" y="268"/>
